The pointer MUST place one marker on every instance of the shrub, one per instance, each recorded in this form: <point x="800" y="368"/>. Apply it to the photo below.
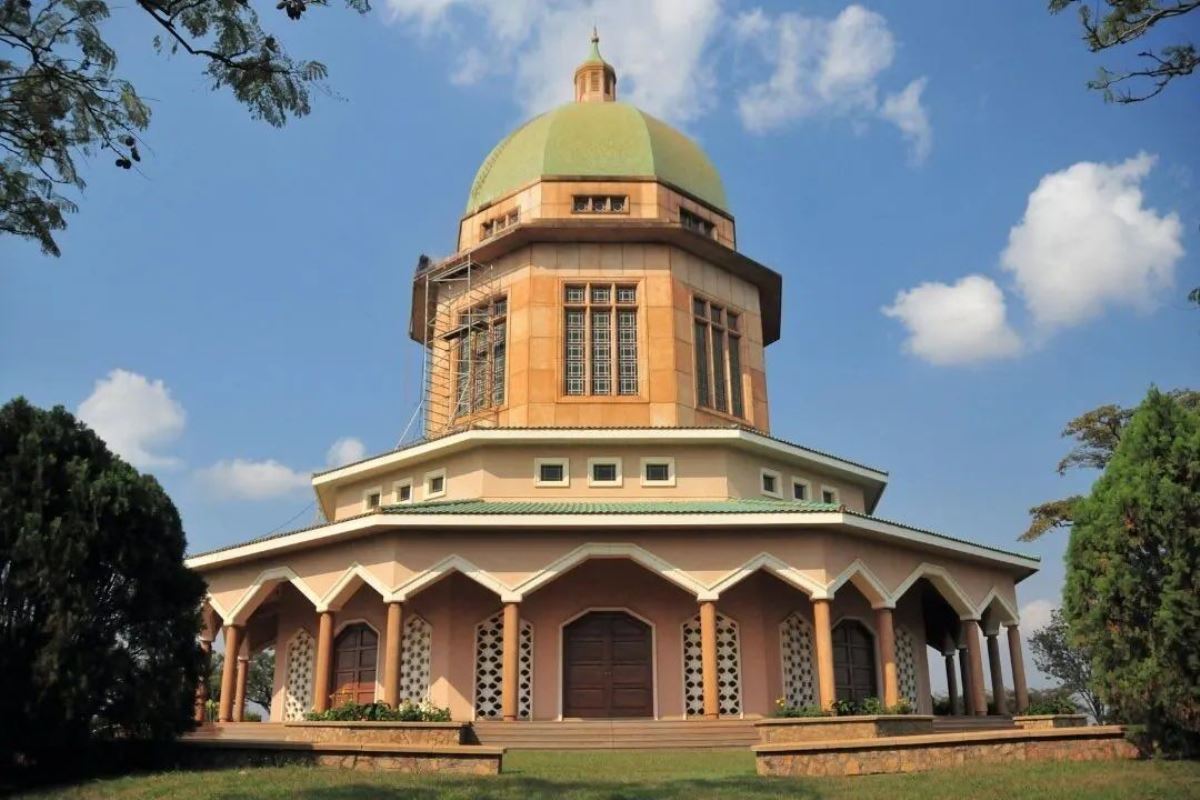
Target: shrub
<point x="1052" y="704"/>
<point x="381" y="712"/>
<point x="844" y="708"/>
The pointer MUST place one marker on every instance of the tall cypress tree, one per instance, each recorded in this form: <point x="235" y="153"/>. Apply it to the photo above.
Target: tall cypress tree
<point x="1133" y="592"/>
<point x="98" y="614"/>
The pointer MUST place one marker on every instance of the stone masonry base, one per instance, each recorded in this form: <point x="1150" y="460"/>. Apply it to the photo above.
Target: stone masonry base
<point x="942" y="751"/>
<point x="445" y="759"/>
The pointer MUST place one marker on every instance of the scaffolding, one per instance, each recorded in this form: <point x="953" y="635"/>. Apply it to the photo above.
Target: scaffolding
<point x="464" y="339"/>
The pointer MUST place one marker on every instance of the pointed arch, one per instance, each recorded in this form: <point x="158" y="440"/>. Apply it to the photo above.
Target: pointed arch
<point x="947" y="587"/>
<point x="262" y="586"/>
<point x="866" y="582"/>
<point x="1007" y="614"/>
<point x="775" y="566"/>
<point x="441" y="569"/>
<point x="344" y="588"/>
<point x="592" y="550"/>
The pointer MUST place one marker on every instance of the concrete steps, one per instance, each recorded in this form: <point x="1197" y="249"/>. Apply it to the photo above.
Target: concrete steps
<point x="619" y="734"/>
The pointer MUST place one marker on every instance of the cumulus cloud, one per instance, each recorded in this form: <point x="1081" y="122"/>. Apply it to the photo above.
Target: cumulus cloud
<point x="905" y="111"/>
<point x="346" y="450"/>
<point x="135" y="416"/>
<point x="1088" y="242"/>
<point x="240" y="479"/>
<point x="1035" y="615"/>
<point x="957" y="323"/>
<point x="660" y="51"/>
<point x="828" y="67"/>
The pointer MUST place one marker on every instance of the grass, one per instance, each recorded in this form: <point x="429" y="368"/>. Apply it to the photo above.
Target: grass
<point x="690" y="775"/>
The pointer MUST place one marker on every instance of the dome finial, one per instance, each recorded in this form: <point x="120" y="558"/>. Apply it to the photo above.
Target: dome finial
<point x="595" y="79"/>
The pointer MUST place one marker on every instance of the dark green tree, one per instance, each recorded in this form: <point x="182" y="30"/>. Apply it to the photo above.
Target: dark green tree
<point x="1097" y="434"/>
<point x="1124" y="22"/>
<point x="98" y="614"/>
<point x="1071" y="665"/>
<point x="61" y="96"/>
<point x="1132" y="594"/>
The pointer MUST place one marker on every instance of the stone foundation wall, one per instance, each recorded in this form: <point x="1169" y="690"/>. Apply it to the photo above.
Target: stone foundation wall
<point x="1039" y="722"/>
<point x="941" y="751"/>
<point x="407" y="733"/>
<point x="452" y="760"/>
<point x="826" y="729"/>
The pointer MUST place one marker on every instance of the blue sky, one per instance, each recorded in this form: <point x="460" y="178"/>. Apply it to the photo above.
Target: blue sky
<point x="875" y="155"/>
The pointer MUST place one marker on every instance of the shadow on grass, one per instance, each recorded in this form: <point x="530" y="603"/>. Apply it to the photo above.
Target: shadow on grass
<point x="513" y="787"/>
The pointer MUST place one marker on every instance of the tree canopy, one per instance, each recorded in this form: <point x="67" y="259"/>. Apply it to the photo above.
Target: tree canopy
<point x="61" y="96"/>
<point x="98" y="614"/>
<point x="1131" y="595"/>
<point x="1056" y="656"/>
<point x="1125" y="22"/>
<point x="1097" y="434"/>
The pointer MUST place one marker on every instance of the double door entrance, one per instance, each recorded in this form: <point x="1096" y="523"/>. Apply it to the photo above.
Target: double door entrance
<point x="608" y="666"/>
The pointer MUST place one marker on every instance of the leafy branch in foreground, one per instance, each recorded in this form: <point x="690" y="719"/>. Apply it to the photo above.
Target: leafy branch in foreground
<point x="61" y="97"/>
<point x="1124" y="22"/>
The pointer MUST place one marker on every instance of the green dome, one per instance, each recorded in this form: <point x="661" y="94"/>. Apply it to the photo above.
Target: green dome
<point x="596" y="140"/>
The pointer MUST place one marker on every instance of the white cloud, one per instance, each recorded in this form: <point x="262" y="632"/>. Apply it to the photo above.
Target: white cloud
<point x="956" y="324"/>
<point x="658" y="46"/>
<point x="346" y="450"/>
<point x="240" y="479"/>
<point x="135" y="416"/>
<point x="828" y="67"/>
<point x="905" y="111"/>
<point x="1087" y="242"/>
<point x="1036" y="615"/>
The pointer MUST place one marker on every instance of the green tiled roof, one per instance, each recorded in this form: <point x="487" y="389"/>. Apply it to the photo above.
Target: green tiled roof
<point x="596" y="140"/>
<point x="732" y="506"/>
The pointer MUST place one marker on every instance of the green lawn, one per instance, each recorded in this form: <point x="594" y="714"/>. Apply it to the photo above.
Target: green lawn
<point x="687" y="775"/>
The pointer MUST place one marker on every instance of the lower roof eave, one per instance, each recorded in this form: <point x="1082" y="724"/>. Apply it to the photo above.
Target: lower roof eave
<point x="1022" y="566"/>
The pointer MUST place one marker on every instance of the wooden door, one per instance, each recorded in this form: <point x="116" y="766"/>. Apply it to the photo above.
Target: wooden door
<point x="356" y="652"/>
<point x="608" y="668"/>
<point x="853" y="661"/>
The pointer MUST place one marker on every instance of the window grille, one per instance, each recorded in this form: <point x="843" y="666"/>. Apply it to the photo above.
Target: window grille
<point x="601" y="339"/>
<point x="718" y="343"/>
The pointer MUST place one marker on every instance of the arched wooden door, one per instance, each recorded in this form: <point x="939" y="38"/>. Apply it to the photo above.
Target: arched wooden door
<point x="608" y="666"/>
<point x="853" y="661"/>
<point x="356" y="653"/>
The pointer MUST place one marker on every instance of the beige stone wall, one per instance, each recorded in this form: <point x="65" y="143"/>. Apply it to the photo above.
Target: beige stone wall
<point x="507" y="472"/>
<point x="533" y="279"/>
<point x="647" y="200"/>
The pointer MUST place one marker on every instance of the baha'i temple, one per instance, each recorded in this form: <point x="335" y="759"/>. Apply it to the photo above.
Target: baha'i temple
<point x="596" y="521"/>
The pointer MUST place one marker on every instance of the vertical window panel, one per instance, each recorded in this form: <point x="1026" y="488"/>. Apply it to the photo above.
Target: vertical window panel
<point x="718" y="358"/>
<point x="574" y="351"/>
<point x="736" y="400"/>
<point x="627" y="368"/>
<point x="702" y="383"/>
<point x="601" y="351"/>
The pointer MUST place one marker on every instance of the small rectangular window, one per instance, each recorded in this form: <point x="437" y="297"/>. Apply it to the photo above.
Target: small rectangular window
<point x="402" y="491"/>
<point x="575" y="294"/>
<point x="602" y="295"/>
<point x="580" y="205"/>
<point x="829" y="495"/>
<point x="800" y="490"/>
<point x="616" y="205"/>
<point x="372" y="500"/>
<point x="626" y="294"/>
<point x="658" y="472"/>
<point x="700" y="308"/>
<point x="599" y="204"/>
<point x="551" y="472"/>
<point x="604" y="473"/>
<point x="435" y="484"/>
<point x="769" y="481"/>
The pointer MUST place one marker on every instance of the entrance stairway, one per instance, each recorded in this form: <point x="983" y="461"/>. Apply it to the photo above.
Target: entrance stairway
<point x="619" y="734"/>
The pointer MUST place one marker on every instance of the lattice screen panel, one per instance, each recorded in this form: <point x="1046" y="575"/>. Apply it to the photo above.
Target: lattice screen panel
<point x="415" y="650"/>
<point x="906" y="664"/>
<point x="489" y="668"/>
<point x="729" y="668"/>
<point x="796" y="651"/>
<point x="298" y="697"/>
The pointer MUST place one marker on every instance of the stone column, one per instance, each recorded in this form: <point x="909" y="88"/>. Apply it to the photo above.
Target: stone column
<point x="509" y="686"/>
<point x="970" y="629"/>
<point x="1018" y="669"/>
<point x="951" y="681"/>
<point x="391" y="654"/>
<point x="239" y="693"/>
<point x="824" y="644"/>
<point x="997" y="670"/>
<point x="887" y="655"/>
<point x="201" y="712"/>
<point x="324" y="661"/>
<point x="708" y="659"/>
<point x="964" y="670"/>
<point x="233" y="643"/>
